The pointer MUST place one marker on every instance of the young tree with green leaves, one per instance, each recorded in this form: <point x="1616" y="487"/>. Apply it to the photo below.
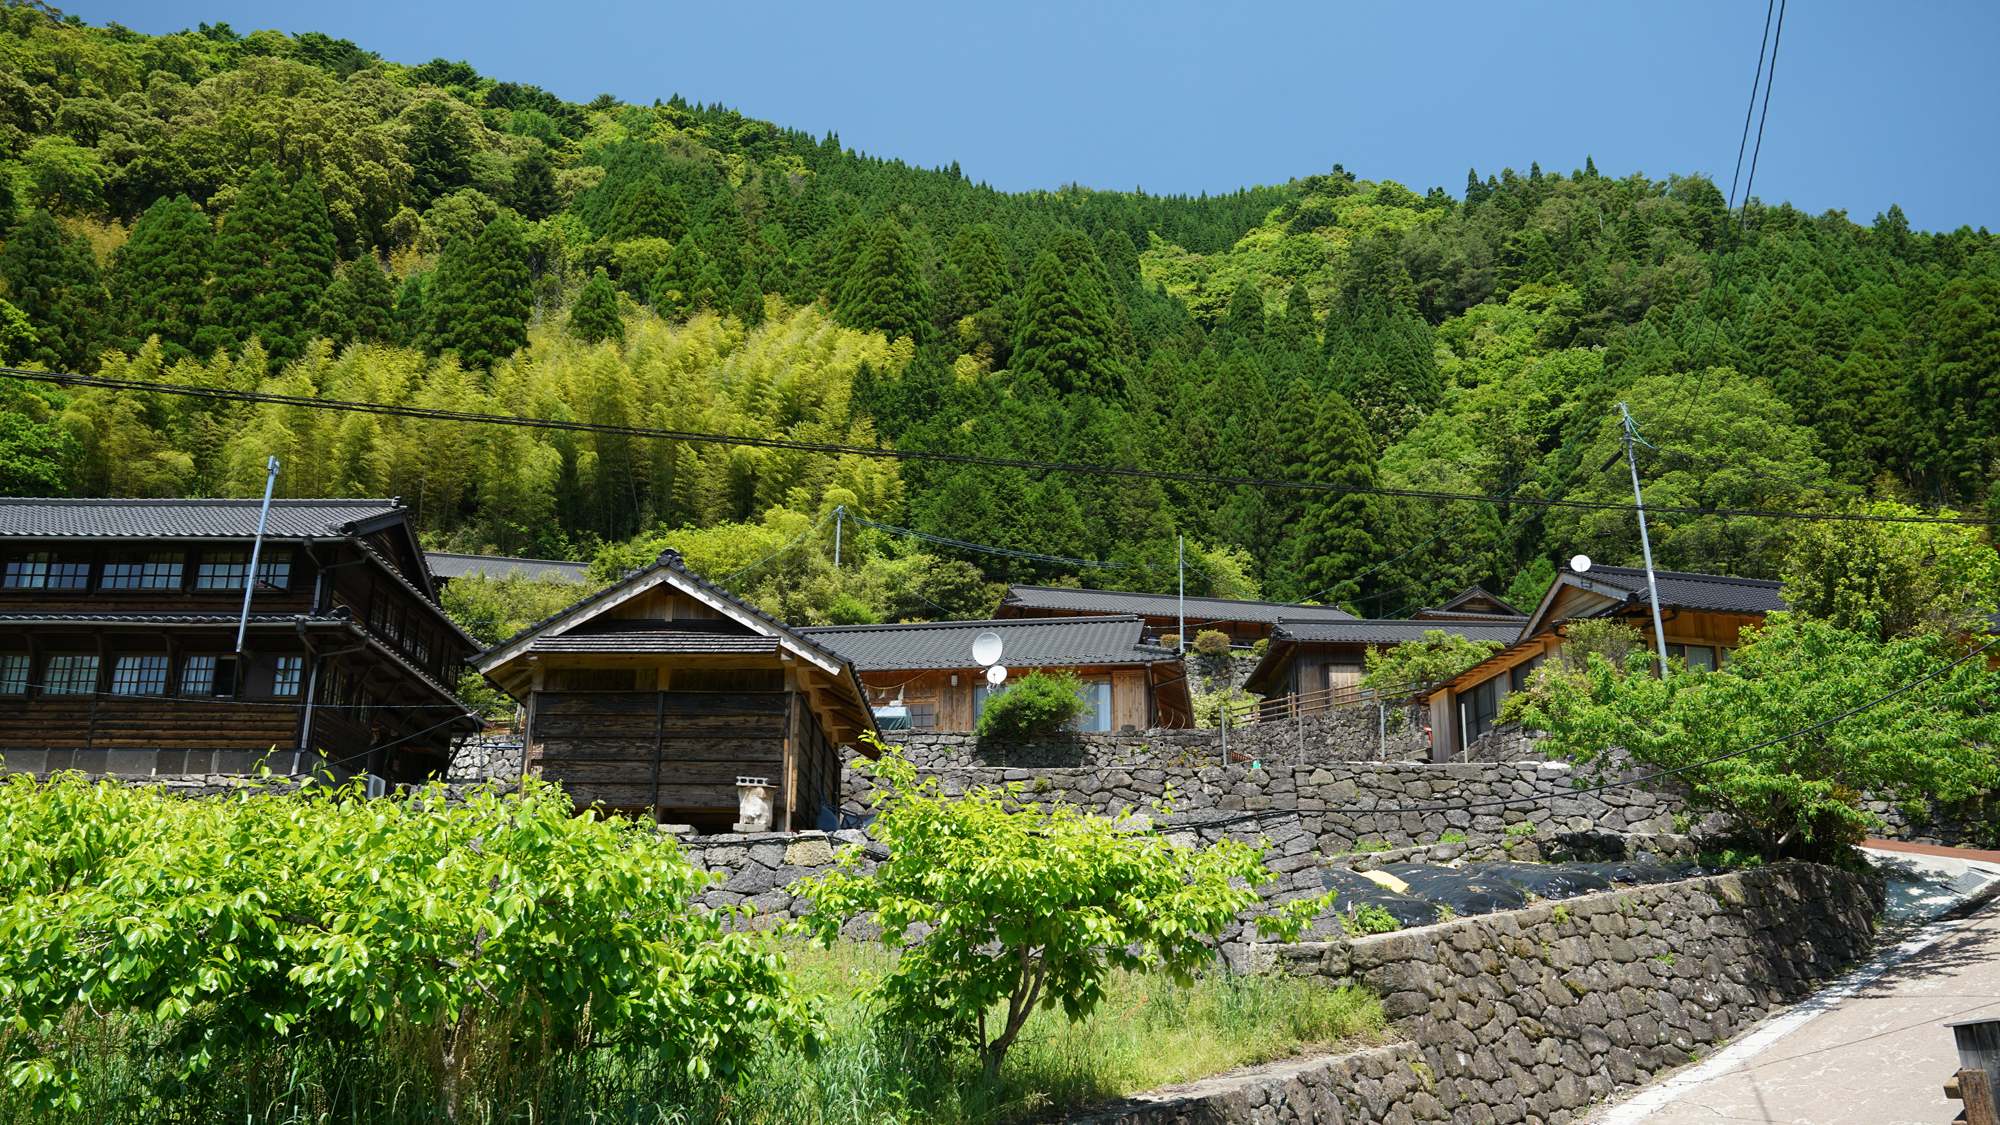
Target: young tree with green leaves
<point x="1789" y="785"/>
<point x="1414" y="667"/>
<point x="594" y="317"/>
<point x="1029" y="907"/>
<point x="159" y="277"/>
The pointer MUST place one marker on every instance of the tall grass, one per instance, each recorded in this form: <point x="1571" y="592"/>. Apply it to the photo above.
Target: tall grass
<point x="1149" y="1032"/>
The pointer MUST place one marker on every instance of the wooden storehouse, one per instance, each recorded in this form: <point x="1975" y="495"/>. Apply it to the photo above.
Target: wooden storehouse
<point x="1245" y="622"/>
<point x="118" y="654"/>
<point x="1704" y="616"/>
<point x="654" y="696"/>
<point x="926" y="672"/>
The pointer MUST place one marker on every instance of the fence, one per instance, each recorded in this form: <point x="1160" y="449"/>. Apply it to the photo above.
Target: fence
<point x="1311" y="702"/>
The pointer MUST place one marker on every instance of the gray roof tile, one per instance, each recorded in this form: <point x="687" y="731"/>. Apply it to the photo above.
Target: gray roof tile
<point x="1166" y="605"/>
<point x="182" y="519"/>
<point x="1714" y="592"/>
<point x="1053" y="642"/>
<point x="1393" y="632"/>
<point x="651" y="635"/>
<point x="447" y="564"/>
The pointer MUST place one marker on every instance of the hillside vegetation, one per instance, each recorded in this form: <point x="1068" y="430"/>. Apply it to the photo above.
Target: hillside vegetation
<point x="294" y="213"/>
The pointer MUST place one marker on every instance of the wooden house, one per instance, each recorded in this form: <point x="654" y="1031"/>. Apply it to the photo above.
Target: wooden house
<point x="652" y="697"/>
<point x="1312" y="665"/>
<point x="1245" y="622"/>
<point x="926" y="671"/>
<point x="118" y="654"/>
<point x="1704" y="616"/>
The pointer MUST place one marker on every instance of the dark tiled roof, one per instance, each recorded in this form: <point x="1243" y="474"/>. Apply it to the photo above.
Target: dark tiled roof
<point x="25" y="616"/>
<point x="1052" y="642"/>
<point x="1714" y="592"/>
<point x="183" y="519"/>
<point x="1393" y="632"/>
<point x="447" y="565"/>
<point x="1468" y="605"/>
<point x="619" y="635"/>
<point x="1165" y="605"/>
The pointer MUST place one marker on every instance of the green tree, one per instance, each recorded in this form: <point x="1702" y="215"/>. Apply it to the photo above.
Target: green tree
<point x="1037" y="704"/>
<point x="273" y="259"/>
<point x="1029" y="907"/>
<point x="1065" y="336"/>
<point x="672" y="291"/>
<point x="440" y="146"/>
<point x="594" y="317"/>
<point x="885" y="291"/>
<point x="36" y="458"/>
<point x="1800" y="795"/>
<point x="1898" y="578"/>
<point x="360" y="305"/>
<point x="53" y="279"/>
<point x="534" y="192"/>
<point x="1334" y="540"/>
<point x="483" y="302"/>
<point x="647" y="209"/>
<point x="159" y="277"/>
<point x="1418" y="666"/>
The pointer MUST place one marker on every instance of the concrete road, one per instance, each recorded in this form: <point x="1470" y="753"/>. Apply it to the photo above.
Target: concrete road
<point x="1879" y="1056"/>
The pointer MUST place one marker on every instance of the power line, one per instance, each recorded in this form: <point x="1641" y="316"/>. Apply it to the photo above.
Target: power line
<point x="338" y="405"/>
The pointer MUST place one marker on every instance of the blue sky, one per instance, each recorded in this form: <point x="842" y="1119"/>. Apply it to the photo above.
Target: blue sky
<point x="1874" y="103"/>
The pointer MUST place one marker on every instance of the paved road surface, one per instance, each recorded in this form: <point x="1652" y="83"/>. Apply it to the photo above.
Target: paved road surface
<point x="1879" y="1057"/>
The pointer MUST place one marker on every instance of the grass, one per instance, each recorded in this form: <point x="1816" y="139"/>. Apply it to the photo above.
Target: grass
<point x="1148" y="1033"/>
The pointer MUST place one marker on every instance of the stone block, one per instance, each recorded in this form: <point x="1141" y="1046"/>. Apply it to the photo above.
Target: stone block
<point x="808" y="851"/>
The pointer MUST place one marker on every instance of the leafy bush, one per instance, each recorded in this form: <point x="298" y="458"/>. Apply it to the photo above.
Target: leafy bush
<point x="1028" y="907"/>
<point x="329" y="918"/>
<point x="1207" y="706"/>
<point x="1424" y="664"/>
<point x="1039" y="703"/>
<point x="1371" y="919"/>
<point x="1211" y="649"/>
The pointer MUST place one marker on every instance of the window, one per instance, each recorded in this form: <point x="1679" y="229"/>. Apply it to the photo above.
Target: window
<point x="420" y="646"/>
<point x="923" y="716"/>
<point x="208" y="675"/>
<point x="1697" y="658"/>
<point x="1096" y="713"/>
<point x="46" y="570"/>
<point x="150" y="570"/>
<point x="13" y="674"/>
<point x="291" y="669"/>
<point x="224" y="570"/>
<point x="139" y="675"/>
<point x="1523" y="671"/>
<point x="70" y="675"/>
<point x="1478" y="708"/>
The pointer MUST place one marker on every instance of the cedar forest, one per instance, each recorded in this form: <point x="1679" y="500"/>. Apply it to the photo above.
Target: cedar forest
<point x="294" y="214"/>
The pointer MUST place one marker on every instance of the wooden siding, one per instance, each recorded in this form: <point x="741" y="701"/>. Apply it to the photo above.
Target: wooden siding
<point x="607" y="747"/>
<point x="1132" y="697"/>
<point x="82" y="722"/>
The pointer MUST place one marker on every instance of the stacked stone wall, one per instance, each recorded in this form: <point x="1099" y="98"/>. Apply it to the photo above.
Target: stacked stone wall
<point x="1533" y="1015"/>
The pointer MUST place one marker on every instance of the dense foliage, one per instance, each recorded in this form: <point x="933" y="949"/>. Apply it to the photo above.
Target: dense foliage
<point x="243" y="197"/>
<point x="236" y="924"/>
<point x="1038" y="703"/>
<point x="1030" y="907"/>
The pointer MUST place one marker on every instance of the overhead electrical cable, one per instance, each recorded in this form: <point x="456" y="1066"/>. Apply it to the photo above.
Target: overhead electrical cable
<point x="883" y="453"/>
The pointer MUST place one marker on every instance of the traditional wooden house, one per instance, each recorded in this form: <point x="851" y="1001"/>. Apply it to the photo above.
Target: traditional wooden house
<point x="448" y="565"/>
<point x="927" y="673"/>
<point x="118" y="640"/>
<point x="1475" y="604"/>
<point x="1311" y="666"/>
<point x="1704" y="616"/>
<point x="1245" y="622"/>
<point x="654" y="696"/>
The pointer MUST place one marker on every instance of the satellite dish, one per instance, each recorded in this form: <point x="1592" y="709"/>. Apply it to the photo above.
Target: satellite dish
<point x="1580" y="564"/>
<point x="986" y="649"/>
<point x="996" y="675"/>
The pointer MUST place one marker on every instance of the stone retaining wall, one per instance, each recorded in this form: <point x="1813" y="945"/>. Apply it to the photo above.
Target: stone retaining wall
<point x="1533" y="1015"/>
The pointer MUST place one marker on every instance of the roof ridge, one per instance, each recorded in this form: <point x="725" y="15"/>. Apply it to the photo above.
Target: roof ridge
<point x="1003" y="622"/>
<point x="1688" y="575"/>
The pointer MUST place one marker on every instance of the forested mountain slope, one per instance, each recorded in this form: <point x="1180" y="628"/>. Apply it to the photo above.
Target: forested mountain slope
<point x="295" y="214"/>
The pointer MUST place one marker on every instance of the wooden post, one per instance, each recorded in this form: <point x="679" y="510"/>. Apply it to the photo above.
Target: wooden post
<point x="659" y="736"/>
<point x="789" y="769"/>
<point x="1975" y="1088"/>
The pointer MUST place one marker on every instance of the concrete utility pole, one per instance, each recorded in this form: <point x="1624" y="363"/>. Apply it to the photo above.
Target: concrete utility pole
<point x="256" y="549"/>
<point x="839" y="513"/>
<point x="1645" y="543"/>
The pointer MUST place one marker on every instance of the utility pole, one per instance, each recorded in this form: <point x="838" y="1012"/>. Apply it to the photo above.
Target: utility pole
<point x="256" y="548"/>
<point x="1645" y="543"/>
<point x="1180" y="564"/>
<point x="839" y="513"/>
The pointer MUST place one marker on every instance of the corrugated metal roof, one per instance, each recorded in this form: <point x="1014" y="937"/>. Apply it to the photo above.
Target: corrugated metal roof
<point x="1392" y="632"/>
<point x="448" y="564"/>
<point x="1714" y="592"/>
<point x="1165" y="605"/>
<point x="183" y="519"/>
<point x="1054" y="642"/>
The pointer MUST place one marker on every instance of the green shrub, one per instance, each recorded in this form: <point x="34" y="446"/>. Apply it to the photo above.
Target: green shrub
<point x="1372" y="919"/>
<point x="234" y="927"/>
<point x="1038" y="703"/>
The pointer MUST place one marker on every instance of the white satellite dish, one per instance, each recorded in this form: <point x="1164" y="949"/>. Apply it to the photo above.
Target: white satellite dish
<point x="986" y="649"/>
<point x="996" y="675"/>
<point x="1580" y="564"/>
